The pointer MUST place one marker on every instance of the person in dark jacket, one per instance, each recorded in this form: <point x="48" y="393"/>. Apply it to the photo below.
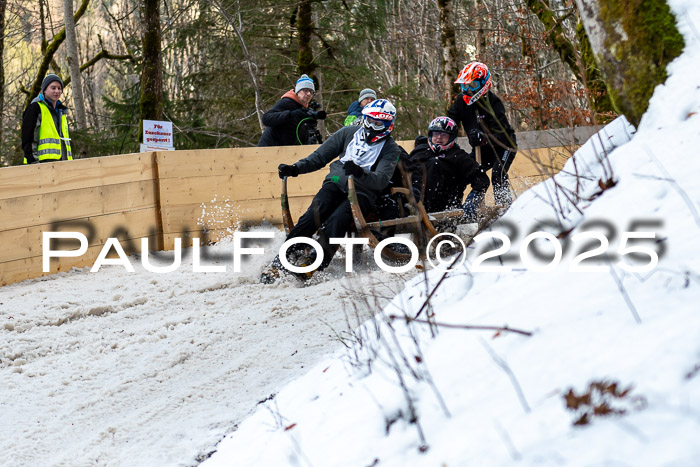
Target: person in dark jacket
<point x="355" y="110"/>
<point x="444" y="169"/>
<point x="283" y="119"/>
<point x="484" y="120"/>
<point x="45" y="135"/>
<point x="369" y="154"/>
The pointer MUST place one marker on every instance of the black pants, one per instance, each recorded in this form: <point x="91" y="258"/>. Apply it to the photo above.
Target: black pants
<point x="329" y="214"/>
<point x="499" y="161"/>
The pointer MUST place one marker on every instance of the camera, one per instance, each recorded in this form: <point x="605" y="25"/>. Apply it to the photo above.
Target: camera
<point x="307" y="130"/>
<point x="314" y="110"/>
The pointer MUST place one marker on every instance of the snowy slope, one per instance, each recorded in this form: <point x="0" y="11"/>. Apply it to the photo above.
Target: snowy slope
<point x="115" y="368"/>
<point x="486" y="398"/>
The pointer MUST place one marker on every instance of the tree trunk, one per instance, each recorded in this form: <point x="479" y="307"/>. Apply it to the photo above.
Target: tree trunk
<point x="74" y="65"/>
<point x="632" y="42"/>
<point x="448" y="43"/>
<point x="3" y="7"/>
<point x="480" y="14"/>
<point x="305" y="26"/>
<point x="151" y="102"/>
<point x="49" y="50"/>
<point x="581" y="64"/>
<point x="593" y="79"/>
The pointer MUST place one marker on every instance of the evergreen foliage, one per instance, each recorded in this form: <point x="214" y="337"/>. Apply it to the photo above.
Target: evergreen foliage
<point x="392" y="46"/>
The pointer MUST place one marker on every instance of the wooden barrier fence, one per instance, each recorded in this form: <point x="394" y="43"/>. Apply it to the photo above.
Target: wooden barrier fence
<point x="161" y="196"/>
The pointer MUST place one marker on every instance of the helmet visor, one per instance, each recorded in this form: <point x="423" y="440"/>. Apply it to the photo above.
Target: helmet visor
<point x="471" y="87"/>
<point x="376" y="124"/>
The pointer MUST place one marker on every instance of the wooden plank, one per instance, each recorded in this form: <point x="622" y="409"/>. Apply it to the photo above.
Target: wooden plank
<point x="222" y="215"/>
<point x="537" y="162"/>
<point x="198" y="163"/>
<point x="522" y="184"/>
<point x="157" y="199"/>
<point x="27" y="241"/>
<point x="51" y="177"/>
<point x="41" y="209"/>
<point x="236" y="187"/>
<point x="555" y="137"/>
<point x="29" y="268"/>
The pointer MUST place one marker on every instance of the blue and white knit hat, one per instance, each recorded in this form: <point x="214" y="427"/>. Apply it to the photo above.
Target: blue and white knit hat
<point x="305" y="83"/>
<point x="365" y="93"/>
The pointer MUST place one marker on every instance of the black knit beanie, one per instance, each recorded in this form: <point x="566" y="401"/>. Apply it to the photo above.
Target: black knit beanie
<point x="50" y="78"/>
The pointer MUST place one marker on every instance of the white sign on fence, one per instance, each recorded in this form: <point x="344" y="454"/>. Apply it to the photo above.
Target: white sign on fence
<point x="158" y="134"/>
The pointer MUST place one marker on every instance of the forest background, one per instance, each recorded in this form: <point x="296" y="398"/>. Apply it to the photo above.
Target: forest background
<point x="212" y="67"/>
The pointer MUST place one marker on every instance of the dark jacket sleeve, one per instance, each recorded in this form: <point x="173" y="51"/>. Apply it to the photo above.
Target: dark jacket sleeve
<point x="498" y="121"/>
<point x="29" y="118"/>
<point x="280" y="113"/>
<point x="467" y="170"/>
<point x="453" y="113"/>
<point x="329" y="150"/>
<point x="421" y="152"/>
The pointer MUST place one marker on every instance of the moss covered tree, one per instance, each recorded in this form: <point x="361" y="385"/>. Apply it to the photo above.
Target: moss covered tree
<point x="576" y="55"/>
<point x="632" y="41"/>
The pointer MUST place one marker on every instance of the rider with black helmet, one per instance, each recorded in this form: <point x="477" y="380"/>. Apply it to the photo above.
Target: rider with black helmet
<point x="444" y="169"/>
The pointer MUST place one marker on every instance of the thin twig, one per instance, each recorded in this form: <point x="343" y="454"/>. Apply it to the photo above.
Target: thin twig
<point x="507" y="441"/>
<point x="683" y="194"/>
<point x="514" y="381"/>
<point x="464" y="326"/>
<point x="444" y="276"/>
<point x="627" y="298"/>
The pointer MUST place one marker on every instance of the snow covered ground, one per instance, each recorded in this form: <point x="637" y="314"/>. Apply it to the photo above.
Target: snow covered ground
<point x="620" y="347"/>
<point x="116" y="368"/>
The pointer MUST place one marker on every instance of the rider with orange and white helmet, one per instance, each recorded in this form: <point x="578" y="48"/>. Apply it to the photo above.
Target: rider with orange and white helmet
<point x="484" y="120"/>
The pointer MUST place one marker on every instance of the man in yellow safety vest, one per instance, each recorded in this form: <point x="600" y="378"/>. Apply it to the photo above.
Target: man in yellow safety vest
<point x="45" y="135"/>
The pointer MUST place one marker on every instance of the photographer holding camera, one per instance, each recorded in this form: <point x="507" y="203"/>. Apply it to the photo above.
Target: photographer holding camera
<point x="291" y="121"/>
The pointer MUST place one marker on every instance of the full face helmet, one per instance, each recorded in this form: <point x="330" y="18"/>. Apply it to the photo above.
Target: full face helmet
<point x="475" y="80"/>
<point x="444" y="125"/>
<point x="378" y="120"/>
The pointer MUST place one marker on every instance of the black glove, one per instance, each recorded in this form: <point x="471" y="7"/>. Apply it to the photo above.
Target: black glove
<point x="353" y="169"/>
<point x="421" y="139"/>
<point x="299" y="114"/>
<point x="284" y="170"/>
<point x="480" y="181"/>
<point x="476" y="138"/>
<point x="321" y="115"/>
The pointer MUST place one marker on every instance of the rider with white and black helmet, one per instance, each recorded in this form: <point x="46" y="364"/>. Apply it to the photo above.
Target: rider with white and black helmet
<point x="378" y="120"/>
<point x="369" y="154"/>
